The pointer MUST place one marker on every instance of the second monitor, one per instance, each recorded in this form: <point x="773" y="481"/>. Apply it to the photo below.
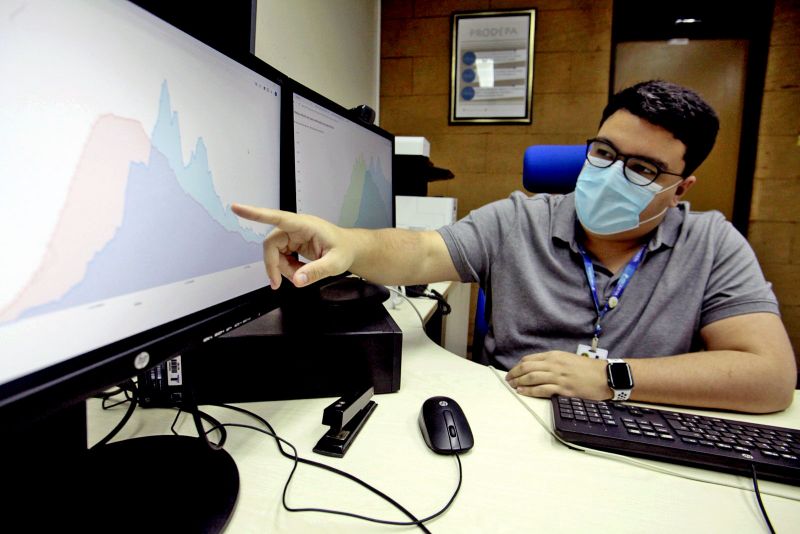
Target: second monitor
<point x="343" y="173"/>
<point x="343" y="166"/>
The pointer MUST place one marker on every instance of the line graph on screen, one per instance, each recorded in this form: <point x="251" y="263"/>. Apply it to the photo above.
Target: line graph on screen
<point x="104" y="245"/>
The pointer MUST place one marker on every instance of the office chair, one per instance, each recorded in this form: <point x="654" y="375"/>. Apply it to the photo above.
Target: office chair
<point x="545" y="169"/>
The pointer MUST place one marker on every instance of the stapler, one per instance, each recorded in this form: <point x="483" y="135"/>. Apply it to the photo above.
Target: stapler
<point x="345" y="417"/>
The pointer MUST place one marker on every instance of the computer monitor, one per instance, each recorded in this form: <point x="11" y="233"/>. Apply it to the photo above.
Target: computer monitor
<point x="229" y="25"/>
<point x="343" y="173"/>
<point x="342" y="165"/>
<point x="124" y="142"/>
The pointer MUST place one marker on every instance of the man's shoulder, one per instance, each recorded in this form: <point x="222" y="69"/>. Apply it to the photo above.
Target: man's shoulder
<point x="708" y="224"/>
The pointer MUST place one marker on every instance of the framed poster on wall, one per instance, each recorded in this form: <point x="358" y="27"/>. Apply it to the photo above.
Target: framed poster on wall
<point x="491" y="66"/>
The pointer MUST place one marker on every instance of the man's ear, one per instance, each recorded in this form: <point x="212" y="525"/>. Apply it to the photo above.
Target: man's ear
<point x="682" y="189"/>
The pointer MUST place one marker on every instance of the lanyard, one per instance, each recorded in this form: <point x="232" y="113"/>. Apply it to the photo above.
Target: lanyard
<point x="613" y="300"/>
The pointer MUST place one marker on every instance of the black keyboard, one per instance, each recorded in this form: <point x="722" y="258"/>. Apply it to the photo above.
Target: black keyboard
<point x="699" y="441"/>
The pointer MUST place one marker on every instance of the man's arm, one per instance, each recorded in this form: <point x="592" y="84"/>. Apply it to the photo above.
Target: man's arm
<point x="748" y="366"/>
<point x="390" y="256"/>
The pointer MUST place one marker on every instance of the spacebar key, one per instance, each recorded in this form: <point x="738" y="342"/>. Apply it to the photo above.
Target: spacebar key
<point x="685" y="434"/>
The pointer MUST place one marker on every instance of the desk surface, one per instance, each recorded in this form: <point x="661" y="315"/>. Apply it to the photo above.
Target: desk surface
<point x="517" y="478"/>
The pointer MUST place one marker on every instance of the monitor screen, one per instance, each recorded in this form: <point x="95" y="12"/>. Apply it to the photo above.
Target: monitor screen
<point x="124" y="143"/>
<point x="343" y="166"/>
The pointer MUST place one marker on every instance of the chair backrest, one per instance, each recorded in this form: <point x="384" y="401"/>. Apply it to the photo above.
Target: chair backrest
<point x="545" y="169"/>
<point x="552" y="168"/>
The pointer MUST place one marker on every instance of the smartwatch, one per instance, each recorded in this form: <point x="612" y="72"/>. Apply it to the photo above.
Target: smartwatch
<point x="620" y="379"/>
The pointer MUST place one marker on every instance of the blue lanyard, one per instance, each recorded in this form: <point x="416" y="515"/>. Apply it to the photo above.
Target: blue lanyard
<point x="616" y="295"/>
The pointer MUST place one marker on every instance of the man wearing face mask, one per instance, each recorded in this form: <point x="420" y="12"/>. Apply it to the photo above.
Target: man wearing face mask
<point x="615" y="291"/>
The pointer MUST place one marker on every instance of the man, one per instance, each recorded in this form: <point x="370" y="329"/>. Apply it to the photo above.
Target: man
<point x="618" y="270"/>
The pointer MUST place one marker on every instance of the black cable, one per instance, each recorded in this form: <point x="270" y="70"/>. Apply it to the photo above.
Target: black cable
<point x="760" y="502"/>
<point x="422" y="291"/>
<point x="134" y="402"/>
<point x="215" y="426"/>
<point x="441" y="302"/>
<point x="297" y="458"/>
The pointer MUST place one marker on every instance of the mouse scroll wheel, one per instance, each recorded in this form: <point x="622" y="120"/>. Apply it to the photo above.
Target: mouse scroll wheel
<point x="450" y="422"/>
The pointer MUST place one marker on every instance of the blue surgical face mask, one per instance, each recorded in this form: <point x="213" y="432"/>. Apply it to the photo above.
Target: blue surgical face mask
<point x="607" y="203"/>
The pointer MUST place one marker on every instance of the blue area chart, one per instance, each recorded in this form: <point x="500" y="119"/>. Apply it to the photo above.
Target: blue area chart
<point x="368" y="197"/>
<point x="174" y="226"/>
<point x="375" y="200"/>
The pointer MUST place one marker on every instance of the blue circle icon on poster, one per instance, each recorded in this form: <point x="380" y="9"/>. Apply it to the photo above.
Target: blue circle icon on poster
<point x="468" y="75"/>
<point x="468" y="93"/>
<point x="469" y="58"/>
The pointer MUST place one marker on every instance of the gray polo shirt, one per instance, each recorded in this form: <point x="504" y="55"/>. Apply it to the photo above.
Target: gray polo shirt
<point x="697" y="269"/>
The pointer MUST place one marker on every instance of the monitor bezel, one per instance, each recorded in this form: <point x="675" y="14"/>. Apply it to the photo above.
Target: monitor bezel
<point x="30" y="399"/>
<point x="295" y="87"/>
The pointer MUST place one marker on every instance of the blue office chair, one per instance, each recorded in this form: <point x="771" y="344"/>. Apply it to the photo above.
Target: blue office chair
<point x="545" y="169"/>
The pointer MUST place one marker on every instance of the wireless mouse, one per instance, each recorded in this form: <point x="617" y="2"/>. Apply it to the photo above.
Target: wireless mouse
<point x="444" y="426"/>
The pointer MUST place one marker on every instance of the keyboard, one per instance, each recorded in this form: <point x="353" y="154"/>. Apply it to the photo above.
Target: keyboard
<point x="695" y="440"/>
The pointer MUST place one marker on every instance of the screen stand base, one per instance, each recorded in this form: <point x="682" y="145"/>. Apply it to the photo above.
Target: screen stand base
<point x="149" y="484"/>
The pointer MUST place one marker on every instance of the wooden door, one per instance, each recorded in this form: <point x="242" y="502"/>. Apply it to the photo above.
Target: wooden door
<point x="716" y="70"/>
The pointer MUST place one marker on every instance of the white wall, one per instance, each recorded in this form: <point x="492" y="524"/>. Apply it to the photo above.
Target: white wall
<point x="331" y="46"/>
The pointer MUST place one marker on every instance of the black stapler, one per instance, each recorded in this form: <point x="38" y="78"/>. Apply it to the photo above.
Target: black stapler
<point x="345" y="417"/>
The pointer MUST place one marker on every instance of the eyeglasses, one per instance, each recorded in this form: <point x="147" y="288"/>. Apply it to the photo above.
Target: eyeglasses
<point x="637" y="170"/>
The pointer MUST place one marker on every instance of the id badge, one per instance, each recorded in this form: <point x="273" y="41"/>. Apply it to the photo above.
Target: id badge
<point x="595" y="354"/>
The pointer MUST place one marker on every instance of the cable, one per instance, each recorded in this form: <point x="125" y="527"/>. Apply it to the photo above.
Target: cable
<point x="421" y="291"/>
<point x="215" y="426"/>
<point x="297" y="459"/>
<point x="128" y="385"/>
<point x="760" y="502"/>
<point x="441" y="302"/>
<point x="421" y="320"/>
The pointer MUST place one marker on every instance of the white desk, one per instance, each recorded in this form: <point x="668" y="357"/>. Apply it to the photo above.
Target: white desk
<point x="516" y="479"/>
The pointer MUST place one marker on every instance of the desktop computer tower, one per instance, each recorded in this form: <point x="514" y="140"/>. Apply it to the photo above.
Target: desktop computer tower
<point x="289" y="353"/>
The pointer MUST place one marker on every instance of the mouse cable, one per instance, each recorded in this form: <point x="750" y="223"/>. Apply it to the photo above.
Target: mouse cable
<point x="297" y="458"/>
<point x="760" y="503"/>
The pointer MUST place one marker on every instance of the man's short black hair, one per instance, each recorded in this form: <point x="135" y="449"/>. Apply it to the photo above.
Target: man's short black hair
<point x="679" y="110"/>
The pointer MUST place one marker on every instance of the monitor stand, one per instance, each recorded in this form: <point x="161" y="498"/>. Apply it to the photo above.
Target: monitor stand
<point x="163" y="483"/>
<point x="351" y="292"/>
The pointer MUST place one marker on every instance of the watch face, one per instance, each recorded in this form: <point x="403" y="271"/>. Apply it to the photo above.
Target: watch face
<point x="619" y="376"/>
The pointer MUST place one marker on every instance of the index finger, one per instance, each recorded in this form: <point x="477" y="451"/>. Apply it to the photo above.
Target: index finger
<point x="264" y="215"/>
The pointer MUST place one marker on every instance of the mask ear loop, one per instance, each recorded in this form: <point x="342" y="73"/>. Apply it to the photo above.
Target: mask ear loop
<point x="662" y="212"/>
